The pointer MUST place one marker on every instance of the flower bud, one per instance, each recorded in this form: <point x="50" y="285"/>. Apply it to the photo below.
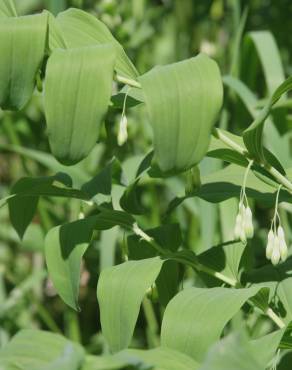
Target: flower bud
<point x="248" y="226"/>
<point x="123" y="133"/>
<point x="270" y="245"/>
<point x="275" y="258"/>
<point x="282" y="243"/>
<point x="238" y="226"/>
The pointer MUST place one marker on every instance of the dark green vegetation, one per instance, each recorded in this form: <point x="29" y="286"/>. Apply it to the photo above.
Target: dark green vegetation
<point x="145" y="185"/>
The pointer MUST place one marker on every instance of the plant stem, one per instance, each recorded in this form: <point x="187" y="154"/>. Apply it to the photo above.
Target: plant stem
<point x="273" y="316"/>
<point x="127" y="81"/>
<point x="273" y="171"/>
<point x="199" y="267"/>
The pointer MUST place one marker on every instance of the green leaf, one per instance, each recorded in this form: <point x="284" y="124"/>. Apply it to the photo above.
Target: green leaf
<point x="120" y="292"/>
<point x="82" y="29"/>
<point x="183" y="101"/>
<point x="226" y="183"/>
<point x="269" y="56"/>
<point x="25" y="194"/>
<point x="40" y="350"/>
<point x="161" y="358"/>
<point x="253" y="135"/>
<point x="194" y="318"/>
<point x="22" y="45"/>
<point x="102" y="182"/>
<point x="264" y="348"/>
<point x="129" y="200"/>
<point x="7" y="9"/>
<point x="232" y="352"/>
<point x="64" y="248"/>
<point x="169" y="237"/>
<point x="225" y="259"/>
<point x="77" y="93"/>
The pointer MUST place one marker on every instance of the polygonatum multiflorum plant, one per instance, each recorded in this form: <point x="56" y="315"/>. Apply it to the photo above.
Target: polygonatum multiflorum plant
<point x="83" y="75"/>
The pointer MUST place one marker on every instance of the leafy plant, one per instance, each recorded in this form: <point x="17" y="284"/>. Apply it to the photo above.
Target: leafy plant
<point x="218" y="292"/>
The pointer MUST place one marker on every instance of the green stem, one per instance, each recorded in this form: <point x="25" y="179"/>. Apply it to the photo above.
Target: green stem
<point x="199" y="267"/>
<point x="273" y="171"/>
<point x="127" y="81"/>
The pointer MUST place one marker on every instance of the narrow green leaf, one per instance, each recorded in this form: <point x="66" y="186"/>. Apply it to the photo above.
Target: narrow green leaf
<point x="183" y="101"/>
<point x="203" y="313"/>
<point x="77" y="94"/>
<point x="269" y="56"/>
<point x="40" y="350"/>
<point x="64" y="249"/>
<point x="120" y="292"/>
<point x="253" y="135"/>
<point x="83" y="29"/>
<point x="22" y="45"/>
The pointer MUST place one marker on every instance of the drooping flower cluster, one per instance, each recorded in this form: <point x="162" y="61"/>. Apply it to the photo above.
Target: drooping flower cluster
<point x="243" y="229"/>
<point x="276" y="249"/>
<point x="243" y="223"/>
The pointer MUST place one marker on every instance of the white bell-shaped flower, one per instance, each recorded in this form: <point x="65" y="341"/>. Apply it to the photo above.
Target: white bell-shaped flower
<point x="282" y="243"/>
<point x="275" y="258"/>
<point x="237" y="228"/>
<point x="270" y="244"/>
<point x="248" y="225"/>
<point x="123" y="131"/>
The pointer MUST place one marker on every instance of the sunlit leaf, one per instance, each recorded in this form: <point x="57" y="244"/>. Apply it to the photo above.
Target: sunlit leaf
<point x="120" y="292"/>
<point x="183" y="101"/>
<point x="77" y="94"/>
<point x="40" y="350"/>
<point x="197" y="316"/>
<point x="82" y="29"/>
<point x="22" y="45"/>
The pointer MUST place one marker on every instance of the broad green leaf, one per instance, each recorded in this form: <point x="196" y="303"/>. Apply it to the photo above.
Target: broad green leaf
<point x="160" y="358"/>
<point x="26" y="192"/>
<point x="169" y="237"/>
<point x="230" y="353"/>
<point x="55" y="37"/>
<point x="22" y="45"/>
<point x="82" y="29"/>
<point x="226" y="183"/>
<point x="197" y="316"/>
<point x="253" y="134"/>
<point x="64" y="249"/>
<point x="225" y="259"/>
<point x="7" y="8"/>
<point x="264" y="348"/>
<point x="40" y="350"/>
<point x="77" y="93"/>
<point x="183" y="101"/>
<point x="120" y="292"/>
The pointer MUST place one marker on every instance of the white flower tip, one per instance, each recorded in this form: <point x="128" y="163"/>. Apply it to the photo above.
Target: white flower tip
<point x="123" y="132"/>
<point x="281" y="233"/>
<point x="275" y="258"/>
